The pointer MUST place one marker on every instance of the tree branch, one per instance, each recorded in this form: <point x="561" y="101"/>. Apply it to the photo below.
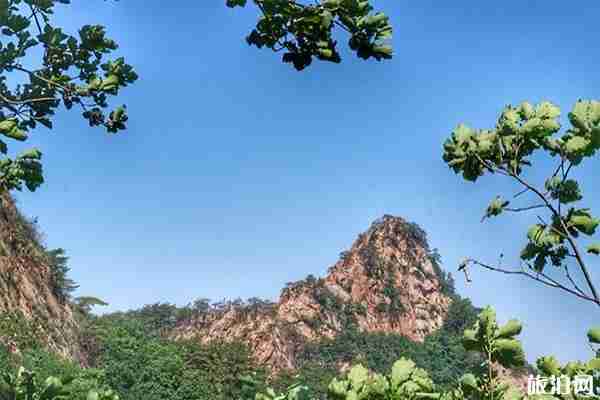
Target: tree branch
<point x="525" y="208"/>
<point x="548" y="281"/>
<point x="568" y="237"/>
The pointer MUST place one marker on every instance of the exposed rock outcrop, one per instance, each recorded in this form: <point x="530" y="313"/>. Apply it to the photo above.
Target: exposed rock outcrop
<point x="26" y="285"/>
<point x="385" y="282"/>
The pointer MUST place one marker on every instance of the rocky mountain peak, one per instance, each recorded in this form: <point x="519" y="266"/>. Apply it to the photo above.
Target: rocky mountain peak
<point x="388" y="281"/>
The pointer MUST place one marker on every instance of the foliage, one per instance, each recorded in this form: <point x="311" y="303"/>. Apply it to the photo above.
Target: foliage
<point x="42" y="68"/>
<point x="520" y="133"/>
<point x="138" y="364"/>
<point x="495" y="344"/>
<point x="21" y="237"/>
<point x="155" y="318"/>
<point x="549" y="367"/>
<point x="84" y="304"/>
<point x="305" y="31"/>
<point x="498" y="345"/>
<point x="63" y="286"/>
<point x="27" y="385"/>
<point x="445" y="279"/>
<point x="405" y="381"/>
<point x="442" y="353"/>
<point x="252" y="390"/>
<point x="20" y="332"/>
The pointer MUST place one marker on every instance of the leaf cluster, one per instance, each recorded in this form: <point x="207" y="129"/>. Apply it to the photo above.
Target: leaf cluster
<point x="306" y="31"/>
<point x="72" y="70"/>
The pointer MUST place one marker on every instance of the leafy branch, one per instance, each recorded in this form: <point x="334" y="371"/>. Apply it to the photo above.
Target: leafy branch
<point x="72" y="70"/>
<point x="305" y="31"/>
<point x="505" y="150"/>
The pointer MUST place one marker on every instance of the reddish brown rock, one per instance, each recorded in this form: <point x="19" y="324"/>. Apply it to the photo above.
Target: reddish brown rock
<point x="25" y="285"/>
<point x="385" y="282"/>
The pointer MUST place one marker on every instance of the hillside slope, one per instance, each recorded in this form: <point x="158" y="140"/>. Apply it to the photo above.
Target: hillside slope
<point x="26" y="287"/>
<point x="387" y="282"/>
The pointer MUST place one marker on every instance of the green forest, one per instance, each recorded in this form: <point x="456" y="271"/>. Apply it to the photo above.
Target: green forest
<point x="132" y="355"/>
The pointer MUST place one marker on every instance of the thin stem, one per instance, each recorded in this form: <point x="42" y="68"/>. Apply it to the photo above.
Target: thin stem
<point x="572" y="243"/>
<point x="548" y="281"/>
<point x="37" y="22"/>
<point x="573" y="281"/>
<point x="27" y="101"/>
<point x="526" y="208"/>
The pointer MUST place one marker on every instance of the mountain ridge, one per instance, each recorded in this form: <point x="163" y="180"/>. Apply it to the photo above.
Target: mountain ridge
<point x="388" y="281"/>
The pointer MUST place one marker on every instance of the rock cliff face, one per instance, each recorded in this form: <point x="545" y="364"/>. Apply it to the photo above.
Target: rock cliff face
<point x="26" y="286"/>
<point x="385" y="282"/>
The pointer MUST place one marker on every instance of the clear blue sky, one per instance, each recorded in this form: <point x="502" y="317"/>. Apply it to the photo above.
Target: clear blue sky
<point x="238" y="174"/>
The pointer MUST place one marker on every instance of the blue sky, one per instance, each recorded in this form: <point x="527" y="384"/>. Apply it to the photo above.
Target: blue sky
<point x="238" y="174"/>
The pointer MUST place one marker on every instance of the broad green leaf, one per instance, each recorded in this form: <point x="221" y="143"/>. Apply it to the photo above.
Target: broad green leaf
<point x="577" y="145"/>
<point x="32" y="154"/>
<point x="357" y="376"/>
<point x="594" y="364"/>
<point x="487" y="322"/>
<point x="509" y="353"/>
<point x="594" y="335"/>
<point x="338" y="388"/>
<point x="512" y="328"/>
<point x="594" y="249"/>
<point x="401" y="371"/>
<point x="583" y="221"/>
<point x="566" y="192"/>
<point x="469" y="382"/>
<point x="549" y="365"/>
<point x="547" y="110"/>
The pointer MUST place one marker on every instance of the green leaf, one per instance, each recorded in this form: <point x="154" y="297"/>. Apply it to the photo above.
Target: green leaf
<point x="594" y="364"/>
<point x="32" y="154"/>
<point x="487" y="322"/>
<point x="512" y="328"/>
<point x="594" y="249"/>
<point x="509" y="353"/>
<point x="566" y="192"/>
<point x="357" y="376"/>
<point x="549" y="365"/>
<point x="401" y="371"/>
<point x="594" y="335"/>
<point x="469" y="382"/>
<point x="378" y="385"/>
<point x="585" y="115"/>
<point x="512" y="393"/>
<point x="547" y="110"/>
<point x="535" y="233"/>
<point x="496" y="207"/>
<point x="469" y="340"/>
<point x="236" y="3"/>
<point x="527" y="110"/>
<point x="577" y="145"/>
<point x="338" y="388"/>
<point x="462" y="133"/>
<point x="583" y="221"/>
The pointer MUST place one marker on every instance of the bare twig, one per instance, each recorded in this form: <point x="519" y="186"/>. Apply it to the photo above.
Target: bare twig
<point x="525" y="208"/>
<point x="522" y="192"/>
<point x="548" y="281"/>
